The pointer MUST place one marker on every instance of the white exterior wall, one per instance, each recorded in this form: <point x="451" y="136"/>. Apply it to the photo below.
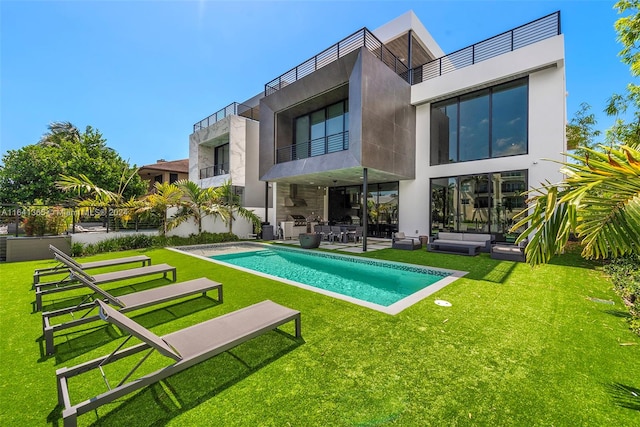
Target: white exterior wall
<point x="544" y="63"/>
<point x="241" y="227"/>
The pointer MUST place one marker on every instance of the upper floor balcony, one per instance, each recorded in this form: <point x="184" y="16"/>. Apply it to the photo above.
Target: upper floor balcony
<point x="215" y="170"/>
<point x="233" y="109"/>
<point x="519" y="37"/>
<point x="357" y="40"/>
<point x="316" y="147"/>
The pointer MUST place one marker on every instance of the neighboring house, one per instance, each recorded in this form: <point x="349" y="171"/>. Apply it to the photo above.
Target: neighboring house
<point x="435" y="141"/>
<point x="165" y="171"/>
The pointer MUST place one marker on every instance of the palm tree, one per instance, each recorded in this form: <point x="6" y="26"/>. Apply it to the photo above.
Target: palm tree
<point x="165" y="196"/>
<point x="85" y="188"/>
<point x="60" y="131"/>
<point x="599" y="201"/>
<point x="197" y="203"/>
<point x="231" y="204"/>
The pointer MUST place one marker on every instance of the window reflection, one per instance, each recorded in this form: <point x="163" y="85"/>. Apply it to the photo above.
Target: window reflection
<point x="482" y="203"/>
<point x="487" y="123"/>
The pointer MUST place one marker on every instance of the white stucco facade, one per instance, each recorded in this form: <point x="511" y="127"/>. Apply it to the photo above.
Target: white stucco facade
<point x="543" y="63"/>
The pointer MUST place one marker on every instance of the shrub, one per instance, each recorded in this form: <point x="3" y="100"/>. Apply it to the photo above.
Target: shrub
<point x="142" y="241"/>
<point x="77" y="249"/>
<point x="625" y="275"/>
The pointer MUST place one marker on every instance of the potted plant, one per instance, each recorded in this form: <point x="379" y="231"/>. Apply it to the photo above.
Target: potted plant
<point x="309" y="240"/>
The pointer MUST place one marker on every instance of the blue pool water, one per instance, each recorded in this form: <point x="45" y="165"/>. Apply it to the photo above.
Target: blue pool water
<point x="381" y="283"/>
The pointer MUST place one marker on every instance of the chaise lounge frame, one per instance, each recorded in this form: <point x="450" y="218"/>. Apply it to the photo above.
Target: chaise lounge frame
<point x="187" y="347"/>
<point x="145" y="260"/>
<point x="125" y="303"/>
<point x="100" y="279"/>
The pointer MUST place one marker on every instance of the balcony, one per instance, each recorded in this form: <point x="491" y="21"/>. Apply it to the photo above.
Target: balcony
<point x="216" y="170"/>
<point x="316" y="147"/>
<point x="233" y="109"/>
<point x="361" y="38"/>
<point x="524" y="35"/>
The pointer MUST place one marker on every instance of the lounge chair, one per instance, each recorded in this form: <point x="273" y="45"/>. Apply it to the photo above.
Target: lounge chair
<point x="145" y="260"/>
<point x="187" y="347"/>
<point x="125" y="303"/>
<point x="100" y="279"/>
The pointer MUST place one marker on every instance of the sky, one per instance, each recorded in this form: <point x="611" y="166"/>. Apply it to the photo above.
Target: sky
<point x="143" y="72"/>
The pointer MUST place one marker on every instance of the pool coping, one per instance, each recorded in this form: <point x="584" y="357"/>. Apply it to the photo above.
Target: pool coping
<point x="392" y="309"/>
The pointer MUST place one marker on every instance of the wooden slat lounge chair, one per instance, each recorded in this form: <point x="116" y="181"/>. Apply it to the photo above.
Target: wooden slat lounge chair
<point x="100" y="279"/>
<point x="145" y="260"/>
<point x="124" y="303"/>
<point x="187" y="347"/>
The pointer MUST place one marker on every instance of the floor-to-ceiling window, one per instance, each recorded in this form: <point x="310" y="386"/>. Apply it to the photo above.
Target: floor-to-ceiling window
<point x="322" y="131"/>
<point x="481" y="203"/>
<point x="484" y="124"/>
<point x="346" y="206"/>
<point x="221" y="156"/>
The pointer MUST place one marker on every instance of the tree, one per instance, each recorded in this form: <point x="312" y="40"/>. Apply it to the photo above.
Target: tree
<point x="599" y="200"/>
<point x="197" y="203"/>
<point x="58" y="132"/>
<point x="230" y="203"/>
<point x="30" y="172"/>
<point x="166" y="195"/>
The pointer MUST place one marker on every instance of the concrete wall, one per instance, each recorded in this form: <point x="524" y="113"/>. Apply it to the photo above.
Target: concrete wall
<point x="544" y="64"/>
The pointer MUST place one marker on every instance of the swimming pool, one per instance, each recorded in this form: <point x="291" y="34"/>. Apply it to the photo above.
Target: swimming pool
<point x="382" y="285"/>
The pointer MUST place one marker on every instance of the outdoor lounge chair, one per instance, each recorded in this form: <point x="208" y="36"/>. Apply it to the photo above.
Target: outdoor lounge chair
<point x="187" y="347"/>
<point x="125" y="303"/>
<point x="100" y="279"/>
<point x="145" y="260"/>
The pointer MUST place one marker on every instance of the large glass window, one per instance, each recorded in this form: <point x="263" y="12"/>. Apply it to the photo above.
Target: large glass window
<point x="482" y="203"/>
<point x="346" y="207"/>
<point x="221" y="154"/>
<point x="444" y="133"/>
<point x="487" y="123"/>
<point x="509" y="120"/>
<point x="444" y="204"/>
<point x="474" y="128"/>
<point x="323" y="131"/>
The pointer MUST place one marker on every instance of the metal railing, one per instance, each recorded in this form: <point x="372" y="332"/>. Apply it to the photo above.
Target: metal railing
<point x="361" y="38"/>
<point x="315" y="147"/>
<point x="211" y="171"/>
<point x="37" y="220"/>
<point x="233" y="109"/>
<point x="524" y="35"/>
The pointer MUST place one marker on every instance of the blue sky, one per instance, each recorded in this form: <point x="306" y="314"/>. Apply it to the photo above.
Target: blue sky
<point x="143" y="72"/>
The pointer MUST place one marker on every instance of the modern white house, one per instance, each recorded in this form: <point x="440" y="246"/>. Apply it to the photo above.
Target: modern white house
<point x="384" y="130"/>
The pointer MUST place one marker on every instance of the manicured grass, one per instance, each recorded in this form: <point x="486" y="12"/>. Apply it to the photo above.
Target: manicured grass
<point x="519" y="346"/>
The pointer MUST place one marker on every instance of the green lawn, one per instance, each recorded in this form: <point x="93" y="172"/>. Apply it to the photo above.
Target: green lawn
<point x="519" y="346"/>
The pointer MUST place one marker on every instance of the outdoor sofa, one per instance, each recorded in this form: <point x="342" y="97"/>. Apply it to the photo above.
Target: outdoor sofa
<point x="400" y="241"/>
<point x="509" y="252"/>
<point x="461" y="243"/>
<point x="187" y="347"/>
